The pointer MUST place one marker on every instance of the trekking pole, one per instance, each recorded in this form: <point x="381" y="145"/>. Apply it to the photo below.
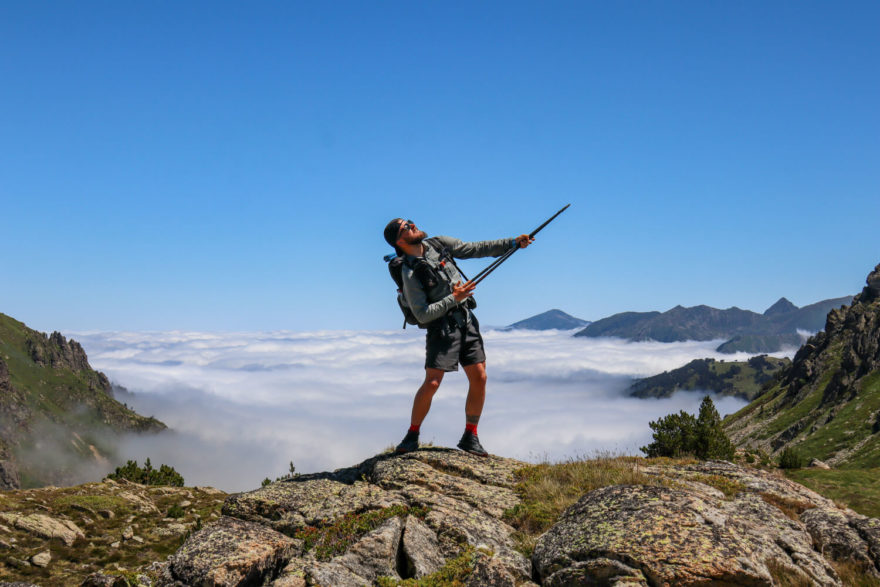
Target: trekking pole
<point x="494" y="265"/>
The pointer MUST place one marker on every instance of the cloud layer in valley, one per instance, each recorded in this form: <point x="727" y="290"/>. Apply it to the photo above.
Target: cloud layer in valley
<point x="243" y="405"/>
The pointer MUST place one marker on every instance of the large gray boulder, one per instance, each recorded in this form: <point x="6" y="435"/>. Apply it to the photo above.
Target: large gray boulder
<point x="663" y="535"/>
<point x="232" y="552"/>
<point x="44" y="526"/>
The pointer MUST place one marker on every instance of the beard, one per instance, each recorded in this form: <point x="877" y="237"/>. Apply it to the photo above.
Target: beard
<point x="415" y="239"/>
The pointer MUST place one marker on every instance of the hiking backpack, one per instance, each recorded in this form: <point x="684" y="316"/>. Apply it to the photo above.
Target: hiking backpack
<point x="425" y="274"/>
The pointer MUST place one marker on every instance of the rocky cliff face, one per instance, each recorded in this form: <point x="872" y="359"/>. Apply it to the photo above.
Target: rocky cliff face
<point x="439" y="513"/>
<point x="828" y="401"/>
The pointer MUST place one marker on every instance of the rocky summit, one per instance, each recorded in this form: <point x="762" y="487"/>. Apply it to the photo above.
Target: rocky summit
<point x="440" y="516"/>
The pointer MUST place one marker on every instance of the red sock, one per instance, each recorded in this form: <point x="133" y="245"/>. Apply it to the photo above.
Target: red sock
<point x="414" y="428"/>
<point x="472" y="428"/>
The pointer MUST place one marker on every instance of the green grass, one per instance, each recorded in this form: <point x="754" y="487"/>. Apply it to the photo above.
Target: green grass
<point x="849" y="425"/>
<point x="853" y="575"/>
<point x="93" y="502"/>
<point x="858" y="489"/>
<point x="759" y="402"/>
<point x="729" y="487"/>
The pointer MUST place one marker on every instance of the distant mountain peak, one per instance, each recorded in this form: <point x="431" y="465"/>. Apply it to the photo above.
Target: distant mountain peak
<point x="782" y="306"/>
<point x="551" y="319"/>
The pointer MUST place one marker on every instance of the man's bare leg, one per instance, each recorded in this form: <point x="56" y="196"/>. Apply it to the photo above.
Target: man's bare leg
<point x="422" y="401"/>
<point x="421" y="406"/>
<point x="473" y="408"/>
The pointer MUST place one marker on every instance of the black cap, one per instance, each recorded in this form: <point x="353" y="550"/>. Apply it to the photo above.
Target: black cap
<point x="392" y="229"/>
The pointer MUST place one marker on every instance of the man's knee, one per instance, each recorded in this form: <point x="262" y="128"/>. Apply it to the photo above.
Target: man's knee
<point x="477" y="374"/>
<point x="433" y="377"/>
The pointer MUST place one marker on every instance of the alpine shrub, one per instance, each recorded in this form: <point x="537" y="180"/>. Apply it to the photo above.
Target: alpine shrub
<point x="147" y="475"/>
<point x="678" y="435"/>
<point x="790" y="459"/>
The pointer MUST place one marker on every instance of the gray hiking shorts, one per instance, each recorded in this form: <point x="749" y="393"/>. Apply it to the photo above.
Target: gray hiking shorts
<point x="448" y="345"/>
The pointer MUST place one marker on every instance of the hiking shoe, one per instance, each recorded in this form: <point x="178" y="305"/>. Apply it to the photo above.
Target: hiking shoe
<point x="409" y="443"/>
<point x="470" y="443"/>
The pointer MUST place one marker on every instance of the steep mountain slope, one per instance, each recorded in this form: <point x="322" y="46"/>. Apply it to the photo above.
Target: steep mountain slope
<point x="744" y="330"/>
<point x="57" y="414"/>
<point x="827" y="403"/>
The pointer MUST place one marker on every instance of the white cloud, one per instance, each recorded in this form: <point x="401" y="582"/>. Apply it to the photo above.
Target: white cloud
<point x="242" y="405"/>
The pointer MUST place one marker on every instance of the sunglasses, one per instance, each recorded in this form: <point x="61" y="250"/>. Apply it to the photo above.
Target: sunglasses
<point x="408" y="225"/>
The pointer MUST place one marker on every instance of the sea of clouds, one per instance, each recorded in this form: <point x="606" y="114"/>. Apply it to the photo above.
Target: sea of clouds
<point x="242" y="406"/>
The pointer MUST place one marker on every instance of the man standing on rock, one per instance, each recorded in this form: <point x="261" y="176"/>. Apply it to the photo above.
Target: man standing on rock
<point x="433" y="290"/>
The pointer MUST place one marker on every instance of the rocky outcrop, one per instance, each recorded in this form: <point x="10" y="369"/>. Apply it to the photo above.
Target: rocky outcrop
<point x="873" y="281"/>
<point x="9" y="478"/>
<point x="434" y="512"/>
<point x="704" y="523"/>
<point x="434" y="505"/>
<point x="56" y="351"/>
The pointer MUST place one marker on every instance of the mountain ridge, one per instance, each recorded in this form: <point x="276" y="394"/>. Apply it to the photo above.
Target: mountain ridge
<point x="743" y="330"/>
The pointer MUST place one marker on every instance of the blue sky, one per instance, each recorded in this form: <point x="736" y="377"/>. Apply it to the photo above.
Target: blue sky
<point x="223" y="166"/>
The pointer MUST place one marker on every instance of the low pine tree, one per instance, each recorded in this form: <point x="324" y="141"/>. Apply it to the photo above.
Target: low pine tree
<point x="678" y="435"/>
<point x="711" y="441"/>
<point x="674" y="436"/>
<point x="147" y="475"/>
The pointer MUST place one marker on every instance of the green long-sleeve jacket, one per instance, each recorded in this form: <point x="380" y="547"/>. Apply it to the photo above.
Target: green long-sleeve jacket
<point x="427" y="306"/>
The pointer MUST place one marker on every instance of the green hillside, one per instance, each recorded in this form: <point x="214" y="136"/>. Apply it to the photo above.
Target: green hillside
<point x="826" y="405"/>
<point x="58" y="416"/>
<point x="743" y="379"/>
